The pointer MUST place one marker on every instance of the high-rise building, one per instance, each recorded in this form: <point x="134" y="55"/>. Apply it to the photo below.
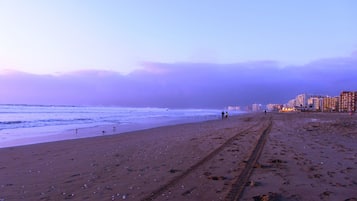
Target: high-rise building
<point x="330" y="104"/>
<point x="315" y="103"/>
<point x="348" y="101"/>
<point x="301" y="100"/>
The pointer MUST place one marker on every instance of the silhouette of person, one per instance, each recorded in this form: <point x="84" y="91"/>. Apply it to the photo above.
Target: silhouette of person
<point x="222" y="115"/>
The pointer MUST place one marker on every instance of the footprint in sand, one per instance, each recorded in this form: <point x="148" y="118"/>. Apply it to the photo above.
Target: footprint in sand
<point x="351" y="199"/>
<point x="325" y="194"/>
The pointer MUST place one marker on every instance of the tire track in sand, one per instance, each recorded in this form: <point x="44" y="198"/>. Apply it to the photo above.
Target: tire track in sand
<point x="200" y="163"/>
<point x="238" y="186"/>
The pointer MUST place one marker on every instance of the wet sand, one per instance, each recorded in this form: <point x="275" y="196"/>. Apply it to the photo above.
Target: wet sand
<point x="305" y="157"/>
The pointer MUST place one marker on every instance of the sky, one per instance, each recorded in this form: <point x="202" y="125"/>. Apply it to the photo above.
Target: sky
<point x="144" y="52"/>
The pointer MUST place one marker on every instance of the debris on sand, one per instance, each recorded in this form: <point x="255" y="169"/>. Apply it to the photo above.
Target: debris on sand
<point x="270" y="197"/>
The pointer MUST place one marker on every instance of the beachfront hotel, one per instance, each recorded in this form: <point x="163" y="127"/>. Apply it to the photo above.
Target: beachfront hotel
<point x="301" y="100"/>
<point x="315" y="103"/>
<point x="348" y="101"/>
<point x="330" y="104"/>
<point x="345" y="102"/>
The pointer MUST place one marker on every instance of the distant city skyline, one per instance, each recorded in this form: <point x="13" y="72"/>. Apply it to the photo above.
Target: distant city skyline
<point x="346" y="101"/>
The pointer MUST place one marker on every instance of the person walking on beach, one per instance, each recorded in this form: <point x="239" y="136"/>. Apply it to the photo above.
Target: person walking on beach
<point x="222" y="115"/>
<point x="226" y="115"/>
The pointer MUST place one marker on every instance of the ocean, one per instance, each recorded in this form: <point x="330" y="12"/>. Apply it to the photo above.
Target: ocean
<point x="29" y="124"/>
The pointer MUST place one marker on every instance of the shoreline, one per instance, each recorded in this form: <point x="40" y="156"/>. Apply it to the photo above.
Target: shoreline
<point x="28" y="124"/>
<point x="99" y="130"/>
<point x="195" y="161"/>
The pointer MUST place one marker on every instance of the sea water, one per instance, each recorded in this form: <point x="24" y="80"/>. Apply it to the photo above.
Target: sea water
<point x="28" y="124"/>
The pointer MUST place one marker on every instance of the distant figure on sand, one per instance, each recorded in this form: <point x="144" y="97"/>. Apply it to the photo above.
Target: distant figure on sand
<point x="226" y="115"/>
<point x="222" y="115"/>
<point x="265" y="111"/>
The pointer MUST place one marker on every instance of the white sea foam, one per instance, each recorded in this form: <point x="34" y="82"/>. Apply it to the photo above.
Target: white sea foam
<point x="23" y="124"/>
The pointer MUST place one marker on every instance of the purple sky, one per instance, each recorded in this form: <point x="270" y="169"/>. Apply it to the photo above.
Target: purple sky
<point x="175" y="53"/>
<point x="194" y="85"/>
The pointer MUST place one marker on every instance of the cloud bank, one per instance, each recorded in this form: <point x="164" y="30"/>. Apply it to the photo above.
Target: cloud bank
<point x="183" y="85"/>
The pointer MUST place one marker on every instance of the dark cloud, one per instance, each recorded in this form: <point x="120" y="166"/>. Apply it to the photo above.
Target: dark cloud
<point x="198" y="85"/>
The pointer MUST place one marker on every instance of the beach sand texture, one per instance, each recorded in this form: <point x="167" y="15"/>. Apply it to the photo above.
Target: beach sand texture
<point x="302" y="156"/>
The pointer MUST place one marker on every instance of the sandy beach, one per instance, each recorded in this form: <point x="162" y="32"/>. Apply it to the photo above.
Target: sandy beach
<point x="308" y="157"/>
<point x="293" y="156"/>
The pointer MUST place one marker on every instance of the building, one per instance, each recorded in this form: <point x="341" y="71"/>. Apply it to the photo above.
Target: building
<point x="330" y="104"/>
<point x="234" y="108"/>
<point x="301" y="101"/>
<point x="348" y="101"/>
<point x="288" y="109"/>
<point x="256" y="107"/>
<point x="315" y="103"/>
<point x="291" y="103"/>
<point x="274" y="107"/>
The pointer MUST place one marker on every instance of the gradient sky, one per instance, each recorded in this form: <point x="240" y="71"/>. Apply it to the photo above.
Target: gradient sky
<point x="145" y="52"/>
<point x="60" y="36"/>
